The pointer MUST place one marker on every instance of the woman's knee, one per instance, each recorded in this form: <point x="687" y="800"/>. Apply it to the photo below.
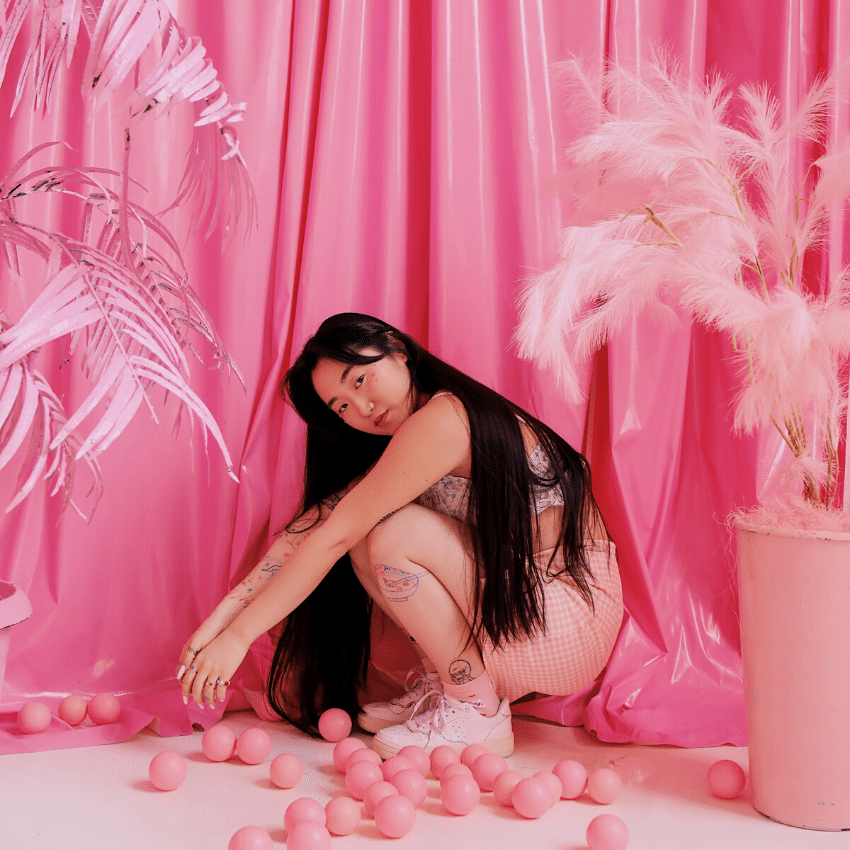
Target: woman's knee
<point x="389" y="554"/>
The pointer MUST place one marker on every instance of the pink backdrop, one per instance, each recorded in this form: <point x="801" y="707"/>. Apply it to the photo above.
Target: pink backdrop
<point x="403" y="156"/>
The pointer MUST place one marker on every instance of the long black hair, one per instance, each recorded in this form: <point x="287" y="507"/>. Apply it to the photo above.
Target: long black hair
<point x="323" y="653"/>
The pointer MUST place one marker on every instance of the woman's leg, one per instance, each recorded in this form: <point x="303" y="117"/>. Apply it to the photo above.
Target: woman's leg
<point x="425" y="574"/>
<point x="375" y="716"/>
<point x="422" y="569"/>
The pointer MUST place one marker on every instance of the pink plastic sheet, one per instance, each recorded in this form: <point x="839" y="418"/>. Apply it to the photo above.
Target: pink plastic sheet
<point x="404" y="157"/>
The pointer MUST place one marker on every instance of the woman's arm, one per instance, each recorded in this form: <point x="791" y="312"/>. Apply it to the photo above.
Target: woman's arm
<point x="429" y="445"/>
<point x="251" y="586"/>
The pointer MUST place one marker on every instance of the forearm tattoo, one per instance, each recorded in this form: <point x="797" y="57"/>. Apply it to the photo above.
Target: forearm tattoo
<point x="396" y="584"/>
<point x="460" y="672"/>
<point x="256" y="580"/>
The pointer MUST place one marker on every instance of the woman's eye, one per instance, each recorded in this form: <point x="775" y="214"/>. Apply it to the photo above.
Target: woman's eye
<point x="342" y="409"/>
<point x="359" y="381"/>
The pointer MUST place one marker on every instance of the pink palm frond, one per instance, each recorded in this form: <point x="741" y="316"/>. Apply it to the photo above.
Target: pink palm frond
<point x="28" y="405"/>
<point x="124" y="36"/>
<point x="119" y="294"/>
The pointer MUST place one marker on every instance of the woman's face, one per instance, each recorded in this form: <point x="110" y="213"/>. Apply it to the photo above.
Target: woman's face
<point x="373" y="397"/>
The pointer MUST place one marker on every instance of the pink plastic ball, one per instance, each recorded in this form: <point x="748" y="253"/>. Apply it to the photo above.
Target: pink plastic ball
<point x="604" y="785"/>
<point x="301" y="810"/>
<point x="362" y="754"/>
<point x="456" y="770"/>
<point x="33" y="717"/>
<point x="471" y="752"/>
<point x="375" y="793"/>
<point x="360" y="776"/>
<point x="607" y="832"/>
<point x="167" y="771"/>
<point x="394" y="764"/>
<point x="343" y="815"/>
<point x="573" y="776"/>
<point x="726" y="779"/>
<point x="286" y="770"/>
<point x="486" y="769"/>
<point x="552" y="782"/>
<point x="334" y="724"/>
<point x="73" y="710"/>
<point x="395" y="816"/>
<point x="104" y="708"/>
<point x="531" y="797"/>
<point x="411" y="784"/>
<point x="344" y="749"/>
<point x="459" y="794"/>
<point x="442" y="757"/>
<point x="504" y="787"/>
<point x="254" y="745"/>
<point x="219" y="743"/>
<point x="421" y="760"/>
<point x="250" y="838"/>
<point x="308" y="835"/>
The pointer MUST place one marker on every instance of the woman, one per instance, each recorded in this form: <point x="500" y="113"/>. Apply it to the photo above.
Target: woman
<point x="470" y="523"/>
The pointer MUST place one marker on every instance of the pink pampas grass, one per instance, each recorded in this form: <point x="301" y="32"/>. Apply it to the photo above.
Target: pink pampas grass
<point x="682" y="208"/>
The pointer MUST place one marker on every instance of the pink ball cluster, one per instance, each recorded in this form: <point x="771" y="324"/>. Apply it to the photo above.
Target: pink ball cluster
<point x="35" y="717"/>
<point x="392" y="790"/>
<point x="529" y="796"/>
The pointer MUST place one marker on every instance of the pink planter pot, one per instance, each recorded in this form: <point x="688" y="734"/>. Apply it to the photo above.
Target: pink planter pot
<point x="795" y="635"/>
<point x="14" y="608"/>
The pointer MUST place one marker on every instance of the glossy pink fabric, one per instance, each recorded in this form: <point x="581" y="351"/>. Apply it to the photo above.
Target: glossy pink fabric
<point x="404" y="157"/>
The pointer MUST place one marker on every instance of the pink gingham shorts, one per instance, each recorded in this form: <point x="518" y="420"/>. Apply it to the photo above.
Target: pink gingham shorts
<point x="578" y="639"/>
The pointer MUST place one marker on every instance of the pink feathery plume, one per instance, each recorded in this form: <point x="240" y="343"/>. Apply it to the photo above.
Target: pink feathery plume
<point x="681" y="210"/>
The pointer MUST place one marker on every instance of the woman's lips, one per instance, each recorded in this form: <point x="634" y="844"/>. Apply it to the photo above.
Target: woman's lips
<point x="380" y="419"/>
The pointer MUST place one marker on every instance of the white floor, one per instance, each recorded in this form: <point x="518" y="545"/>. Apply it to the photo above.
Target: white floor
<point x="100" y="798"/>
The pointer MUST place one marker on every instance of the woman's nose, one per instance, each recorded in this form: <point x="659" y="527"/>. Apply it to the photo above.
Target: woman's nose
<point x="364" y="408"/>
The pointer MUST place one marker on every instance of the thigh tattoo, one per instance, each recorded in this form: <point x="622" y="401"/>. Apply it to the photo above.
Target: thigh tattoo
<point x="396" y="584"/>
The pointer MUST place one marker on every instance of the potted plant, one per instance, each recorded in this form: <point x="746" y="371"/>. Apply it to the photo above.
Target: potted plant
<point x="690" y="198"/>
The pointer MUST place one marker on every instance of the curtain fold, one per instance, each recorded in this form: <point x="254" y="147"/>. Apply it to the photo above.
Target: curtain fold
<point x="405" y="157"/>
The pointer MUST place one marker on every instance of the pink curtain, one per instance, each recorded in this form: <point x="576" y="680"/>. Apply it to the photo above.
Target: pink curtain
<point x="404" y="157"/>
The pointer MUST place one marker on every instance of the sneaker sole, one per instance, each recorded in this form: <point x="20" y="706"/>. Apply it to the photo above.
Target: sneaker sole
<point x="368" y="723"/>
<point x="501" y="746"/>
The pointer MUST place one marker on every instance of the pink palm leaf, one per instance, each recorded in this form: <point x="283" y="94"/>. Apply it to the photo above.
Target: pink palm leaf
<point x="123" y="35"/>
<point x="119" y="300"/>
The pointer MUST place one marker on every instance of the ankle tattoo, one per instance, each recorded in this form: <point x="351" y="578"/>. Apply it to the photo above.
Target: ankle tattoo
<point x="460" y="672"/>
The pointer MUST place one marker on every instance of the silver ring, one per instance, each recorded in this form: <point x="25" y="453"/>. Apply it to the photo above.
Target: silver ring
<point x="219" y="682"/>
<point x="193" y="651"/>
<point x="193" y="669"/>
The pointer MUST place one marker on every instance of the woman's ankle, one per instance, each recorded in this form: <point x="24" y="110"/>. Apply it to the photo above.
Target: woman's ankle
<point x="478" y="691"/>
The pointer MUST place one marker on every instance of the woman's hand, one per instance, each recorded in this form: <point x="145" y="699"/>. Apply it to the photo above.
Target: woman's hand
<point x="207" y="677"/>
<point x="208" y="632"/>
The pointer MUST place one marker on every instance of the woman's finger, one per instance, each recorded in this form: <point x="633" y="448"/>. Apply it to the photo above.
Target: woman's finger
<point x="187" y="657"/>
<point x="188" y="680"/>
<point x="221" y="689"/>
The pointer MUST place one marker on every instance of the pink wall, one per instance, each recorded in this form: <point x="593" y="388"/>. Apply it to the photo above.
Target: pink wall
<point x="403" y="156"/>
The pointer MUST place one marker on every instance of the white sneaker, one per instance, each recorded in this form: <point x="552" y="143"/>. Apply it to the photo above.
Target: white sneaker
<point x="378" y="715"/>
<point x="451" y="722"/>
